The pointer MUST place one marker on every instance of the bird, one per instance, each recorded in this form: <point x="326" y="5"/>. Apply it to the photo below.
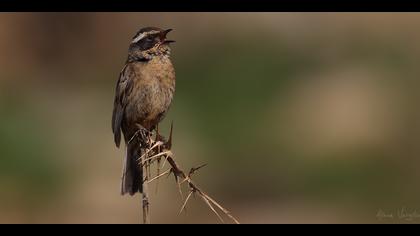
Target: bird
<point x="143" y="96"/>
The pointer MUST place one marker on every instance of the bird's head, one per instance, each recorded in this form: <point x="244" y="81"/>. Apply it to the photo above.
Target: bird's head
<point x="149" y="42"/>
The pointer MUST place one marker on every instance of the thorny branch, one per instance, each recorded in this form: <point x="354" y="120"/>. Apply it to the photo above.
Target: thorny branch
<point x="158" y="149"/>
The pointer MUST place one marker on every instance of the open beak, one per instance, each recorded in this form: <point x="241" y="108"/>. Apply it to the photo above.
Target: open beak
<point x="163" y="36"/>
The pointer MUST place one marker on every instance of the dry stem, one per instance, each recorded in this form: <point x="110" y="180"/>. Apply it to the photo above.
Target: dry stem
<point x="145" y="199"/>
<point x="156" y="149"/>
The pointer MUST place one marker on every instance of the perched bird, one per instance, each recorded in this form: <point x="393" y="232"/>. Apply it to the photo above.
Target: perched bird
<point x="143" y="95"/>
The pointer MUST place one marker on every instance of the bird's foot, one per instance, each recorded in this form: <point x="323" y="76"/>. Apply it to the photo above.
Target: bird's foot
<point x="142" y="136"/>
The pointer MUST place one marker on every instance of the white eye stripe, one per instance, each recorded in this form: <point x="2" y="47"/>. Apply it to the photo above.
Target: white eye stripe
<point x="142" y="35"/>
<point x="139" y="37"/>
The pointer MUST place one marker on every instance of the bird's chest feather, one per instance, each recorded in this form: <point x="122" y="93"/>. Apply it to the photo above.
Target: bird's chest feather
<point x="154" y="87"/>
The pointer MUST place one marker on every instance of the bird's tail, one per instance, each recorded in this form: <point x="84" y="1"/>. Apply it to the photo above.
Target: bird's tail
<point x="132" y="176"/>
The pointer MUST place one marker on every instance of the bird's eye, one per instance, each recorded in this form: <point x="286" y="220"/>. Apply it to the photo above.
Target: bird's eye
<point x="149" y="39"/>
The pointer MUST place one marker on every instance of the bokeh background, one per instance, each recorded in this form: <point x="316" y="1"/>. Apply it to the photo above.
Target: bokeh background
<point x="301" y="117"/>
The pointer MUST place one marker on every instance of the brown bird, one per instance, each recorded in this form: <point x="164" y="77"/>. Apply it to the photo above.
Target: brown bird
<point x="143" y="96"/>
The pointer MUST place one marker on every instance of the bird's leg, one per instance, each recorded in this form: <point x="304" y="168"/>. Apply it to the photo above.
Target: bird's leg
<point x="143" y="135"/>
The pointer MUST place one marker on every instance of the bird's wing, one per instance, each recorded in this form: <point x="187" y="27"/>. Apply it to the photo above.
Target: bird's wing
<point x="122" y="90"/>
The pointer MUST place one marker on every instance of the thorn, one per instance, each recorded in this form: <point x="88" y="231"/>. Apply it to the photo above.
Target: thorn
<point x="184" y="206"/>
<point x="156" y="156"/>
<point x="164" y="161"/>
<point x="169" y="143"/>
<point x="179" y="184"/>
<point x="157" y="144"/>
<point x="194" y="169"/>
<point x="158" y="176"/>
<point x="186" y="180"/>
<point x="211" y="207"/>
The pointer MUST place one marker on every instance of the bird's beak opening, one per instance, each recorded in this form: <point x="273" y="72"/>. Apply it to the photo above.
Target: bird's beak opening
<point x="163" y="36"/>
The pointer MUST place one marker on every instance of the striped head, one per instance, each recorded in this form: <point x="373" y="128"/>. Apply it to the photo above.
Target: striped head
<point x="149" y="41"/>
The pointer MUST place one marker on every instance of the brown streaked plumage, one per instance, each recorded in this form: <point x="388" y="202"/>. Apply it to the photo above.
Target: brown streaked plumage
<point x="143" y="96"/>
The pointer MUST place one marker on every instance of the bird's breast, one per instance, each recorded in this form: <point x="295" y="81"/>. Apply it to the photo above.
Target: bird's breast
<point x="154" y="88"/>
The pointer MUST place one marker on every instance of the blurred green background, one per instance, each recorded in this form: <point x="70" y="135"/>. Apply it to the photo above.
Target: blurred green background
<point x="301" y="117"/>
